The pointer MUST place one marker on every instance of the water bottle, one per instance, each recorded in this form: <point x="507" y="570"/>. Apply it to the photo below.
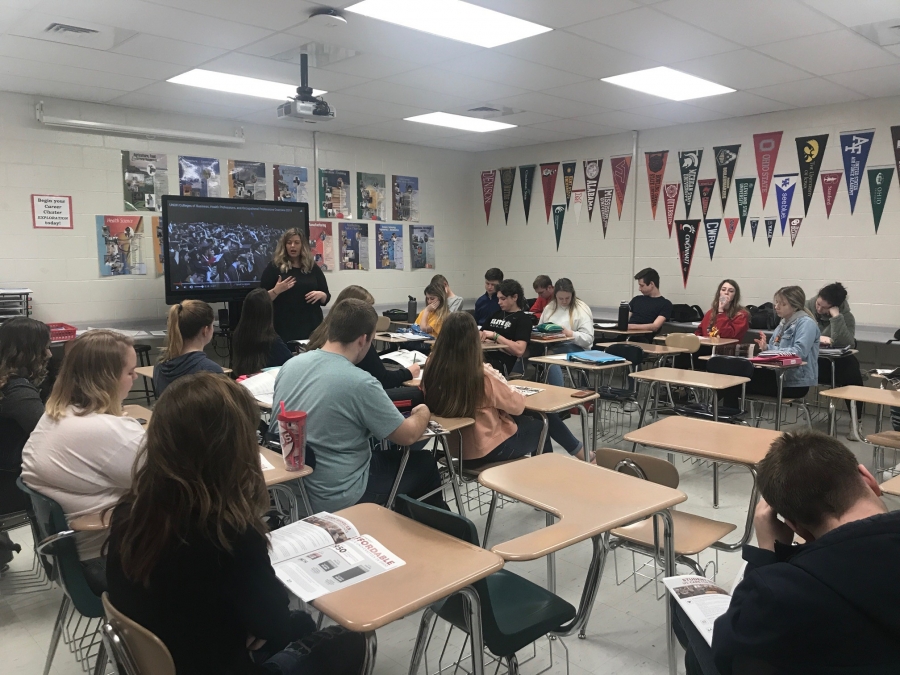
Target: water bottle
<point x="411" y="310"/>
<point x="624" y="310"/>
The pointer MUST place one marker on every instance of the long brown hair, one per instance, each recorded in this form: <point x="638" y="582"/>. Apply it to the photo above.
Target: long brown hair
<point x="90" y="374"/>
<point x="454" y="373"/>
<point x="281" y="260"/>
<point x="23" y="350"/>
<point x="186" y="320"/>
<point x="254" y="335"/>
<point x="734" y="308"/>
<point x="199" y="473"/>
<point x="564" y="285"/>
<point x="319" y="336"/>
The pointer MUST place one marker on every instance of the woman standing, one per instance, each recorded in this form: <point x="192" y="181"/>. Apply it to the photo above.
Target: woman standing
<point x="255" y="344"/>
<point x="726" y="318"/>
<point x="296" y="286"/>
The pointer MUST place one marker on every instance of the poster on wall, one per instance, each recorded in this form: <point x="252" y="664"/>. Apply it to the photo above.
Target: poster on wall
<point x="370" y="188"/>
<point x="726" y="159"/>
<point x="487" y="192"/>
<point x="290" y="183"/>
<point x="405" y="198"/>
<point x="548" y="184"/>
<point x="51" y="212"/>
<point x="119" y="245"/>
<point x="855" y="147"/>
<point x="744" y="194"/>
<point x="526" y="179"/>
<point x="388" y="247"/>
<point x="592" y="168"/>
<point x="879" y="185"/>
<point x="784" y="190"/>
<point x="656" y="169"/>
<point x="158" y="256"/>
<point x="831" y="180"/>
<point x="146" y="180"/>
<point x="670" y="196"/>
<point x="246" y="180"/>
<point x="707" y="186"/>
<point x="621" y="170"/>
<point x="712" y="227"/>
<point x="810" y="153"/>
<point x="354" y="246"/>
<point x="766" y="148"/>
<point x="559" y="215"/>
<point x="689" y="163"/>
<point x="321" y="244"/>
<point x="686" y="237"/>
<point x="198" y="176"/>
<point x="421" y="247"/>
<point x="568" y="169"/>
<point x="605" y="197"/>
<point x="334" y="194"/>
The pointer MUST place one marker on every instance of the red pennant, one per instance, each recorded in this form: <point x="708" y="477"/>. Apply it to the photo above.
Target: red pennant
<point x="730" y="226"/>
<point x="487" y="191"/>
<point x="707" y="185"/>
<point x="670" y="196"/>
<point x="831" y="180"/>
<point x="686" y="236"/>
<point x="656" y="168"/>
<point x="766" y="148"/>
<point x="548" y="180"/>
<point x="795" y="228"/>
<point x="621" y="169"/>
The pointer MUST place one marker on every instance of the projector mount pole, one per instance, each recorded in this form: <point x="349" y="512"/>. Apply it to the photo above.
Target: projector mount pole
<point x="304" y="91"/>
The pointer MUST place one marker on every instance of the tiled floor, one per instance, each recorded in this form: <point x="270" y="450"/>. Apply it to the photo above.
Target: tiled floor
<point x="626" y="633"/>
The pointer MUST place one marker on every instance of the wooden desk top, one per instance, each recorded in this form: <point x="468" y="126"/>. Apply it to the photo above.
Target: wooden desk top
<point x="732" y="443"/>
<point x="706" y="340"/>
<point x="548" y="339"/>
<point x="689" y="378"/>
<point x="864" y="395"/>
<point x="892" y="486"/>
<point x="385" y="337"/>
<point x="147" y="371"/>
<point x="491" y="346"/>
<point x="616" y="331"/>
<point x="436" y="566"/>
<point x="831" y="357"/>
<point x="587" y="499"/>
<point x="138" y="412"/>
<point x="453" y="423"/>
<point x="648" y="348"/>
<point x="551" y="399"/>
<point x="557" y="361"/>
<point x="279" y="474"/>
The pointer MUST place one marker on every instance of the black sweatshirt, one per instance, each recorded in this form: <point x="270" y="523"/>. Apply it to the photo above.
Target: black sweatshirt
<point x="20" y="409"/>
<point x="390" y="379"/>
<point x="295" y="318"/>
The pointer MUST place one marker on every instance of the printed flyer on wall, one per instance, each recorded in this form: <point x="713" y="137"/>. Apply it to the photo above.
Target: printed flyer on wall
<point x="290" y="183"/>
<point x="389" y="243"/>
<point x="372" y="204"/>
<point x="146" y="180"/>
<point x="421" y="239"/>
<point x="246" y="180"/>
<point x="321" y="243"/>
<point x="198" y="176"/>
<point x="334" y="194"/>
<point x="119" y="248"/>
<point x="158" y="258"/>
<point x="354" y="246"/>
<point x="405" y="199"/>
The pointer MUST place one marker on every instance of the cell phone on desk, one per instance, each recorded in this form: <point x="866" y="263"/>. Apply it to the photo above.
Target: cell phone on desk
<point x="582" y="393"/>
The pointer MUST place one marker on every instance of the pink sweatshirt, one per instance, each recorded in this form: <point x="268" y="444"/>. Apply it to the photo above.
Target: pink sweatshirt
<point x="493" y="421"/>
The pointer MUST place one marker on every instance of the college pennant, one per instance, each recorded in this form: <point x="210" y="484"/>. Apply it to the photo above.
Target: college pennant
<point x="487" y="191"/>
<point x="712" y="233"/>
<point x="706" y="186"/>
<point x="855" y="146"/>
<point x="810" y="153"/>
<point x="656" y="168"/>
<point x="726" y="158"/>
<point x="559" y="215"/>
<point x="548" y="182"/>
<point x="686" y="234"/>
<point x="568" y="179"/>
<point x="795" y="229"/>
<point x="507" y="179"/>
<point x="784" y="190"/>
<point x="578" y="201"/>
<point x="621" y="170"/>
<point x="605" y="197"/>
<point x="879" y="185"/>
<point x="754" y="224"/>
<point x="766" y="147"/>
<point x="831" y="180"/>
<point x="730" y="227"/>
<point x="670" y="197"/>
<point x="744" y="189"/>
<point x="592" y="169"/>
<point x="770" y="229"/>
<point x="526" y="177"/>
<point x="895" y="141"/>
<point x="689" y="163"/>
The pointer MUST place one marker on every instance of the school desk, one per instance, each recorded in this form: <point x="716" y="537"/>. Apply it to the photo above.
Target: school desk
<point x="556" y="400"/>
<point x="661" y="352"/>
<point x="855" y="393"/>
<point x="706" y="341"/>
<point x="389" y="338"/>
<point x="684" y="378"/>
<point x="627" y="332"/>
<point x="138" y="412"/>
<point x="892" y="486"/>
<point x="547" y="339"/>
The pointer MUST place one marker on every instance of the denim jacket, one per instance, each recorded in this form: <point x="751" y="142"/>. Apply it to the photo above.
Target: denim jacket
<point x="800" y="336"/>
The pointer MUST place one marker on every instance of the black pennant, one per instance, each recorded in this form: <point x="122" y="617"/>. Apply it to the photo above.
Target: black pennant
<point x="526" y="177"/>
<point x="726" y="158"/>
<point x="507" y="180"/>
<point x="810" y="153"/>
<point x="689" y="163"/>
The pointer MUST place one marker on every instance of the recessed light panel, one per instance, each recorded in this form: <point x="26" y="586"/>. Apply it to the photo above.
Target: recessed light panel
<point x="238" y="84"/>
<point x="442" y="119"/>
<point x="667" y="83"/>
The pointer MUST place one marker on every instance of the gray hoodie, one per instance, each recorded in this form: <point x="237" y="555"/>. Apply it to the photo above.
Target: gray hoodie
<point x="841" y="328"/>
<point x="187" y="364"/>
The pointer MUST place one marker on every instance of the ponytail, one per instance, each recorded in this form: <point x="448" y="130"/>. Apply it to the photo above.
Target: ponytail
<point x="185" y="321"/>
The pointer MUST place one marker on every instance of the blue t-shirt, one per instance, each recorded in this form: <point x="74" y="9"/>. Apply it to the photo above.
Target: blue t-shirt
<point x="345" y="406"/>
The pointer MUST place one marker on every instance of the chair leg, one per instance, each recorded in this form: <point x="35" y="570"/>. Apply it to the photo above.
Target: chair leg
<point x="805" y="410"/>
<point x="490" y="521"/>
<point x="102" y="660"/>
<point x="57" y="632"/>
<point x="421" y="641"/>
<point x="512" y="664"/>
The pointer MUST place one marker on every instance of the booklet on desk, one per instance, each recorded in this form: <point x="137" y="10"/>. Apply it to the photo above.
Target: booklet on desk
<point x="702" y="601"/>
<point x="325" y="553"/>
<point x="405" y="357"/>
<point x="262" y="385"/>
<point x="777" y="357"/>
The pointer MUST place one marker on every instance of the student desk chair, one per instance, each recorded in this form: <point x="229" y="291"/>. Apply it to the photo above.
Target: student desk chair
<point x="855" y="393"/>
<point x="706" y="341"/>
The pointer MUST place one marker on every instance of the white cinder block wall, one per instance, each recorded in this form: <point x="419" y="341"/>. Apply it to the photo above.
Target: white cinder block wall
<point x="843" y="248"/>
<point x="61" y="267"/>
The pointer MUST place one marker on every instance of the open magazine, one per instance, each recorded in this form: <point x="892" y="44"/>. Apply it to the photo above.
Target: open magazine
<point x="702" y="601"/>
<point x="262" y="385"/>
<point x="405" y="357"/>
<point x="324" y="553"/>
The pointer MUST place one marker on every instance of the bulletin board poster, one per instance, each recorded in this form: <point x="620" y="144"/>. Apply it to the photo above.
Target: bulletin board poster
<point x="119" y="245"/>
<point x="246" y="180"/>
<point x="334" y="194"/>
<point x="405" y="199"/>
<point x="290" y="183"/>
<point x="146" y="176"/>
<point x="51" y="212"/>
<point x="156" y="228"/>
<point x="198" y="176"/>
<point x="421" y="240"/>
<point x="321" y="243"/>
<point x="371" y="196"/>
<point x="354" y="246"/>
<point x="389" y="247"/>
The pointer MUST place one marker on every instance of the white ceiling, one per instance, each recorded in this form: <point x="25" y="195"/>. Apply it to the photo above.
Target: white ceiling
<point x="778" y="54"/>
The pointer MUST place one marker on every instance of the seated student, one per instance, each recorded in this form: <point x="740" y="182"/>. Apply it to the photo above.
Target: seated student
<point x="838" y="329"/>
<point x="454" y="302"/>
<point x="725" y="318"/>
<point x="798" y="334"/>
<point x="649" y="310"/>
<point x="486" y="306"/>
<point x="826" y="606"/>
<point x="510" y="327"/>
<point x="566" y="310"/>
<point x="255" y="344"/>
<point x="346" y="407"/>
<point x="83" y="449"/>
<point x="188" y="555"/>
<point x="188" y="331"/>
<point x="391" y="380"/>
<point x="543" y="287"/>
<point x="432" y="317"/>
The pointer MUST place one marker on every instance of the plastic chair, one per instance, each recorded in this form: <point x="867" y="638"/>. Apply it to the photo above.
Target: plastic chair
<point x="382" y="324"/>
<point x="722" y="365"/>
<point x="687" y="341"/>
<point x="133" y="648"/>
<point x="143" y="354"/>
<point x="635" y="356"/>
<point x="514" y="611"/>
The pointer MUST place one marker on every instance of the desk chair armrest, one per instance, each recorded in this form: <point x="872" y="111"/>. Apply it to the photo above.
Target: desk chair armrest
<point x="627" y="463"/>
<point x="46" y="547"/>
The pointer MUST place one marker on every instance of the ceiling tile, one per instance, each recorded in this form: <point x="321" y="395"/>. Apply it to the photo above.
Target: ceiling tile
<point x="558" y="13"/>
<point x="208" y="97"/>
<point x="653" y="35"/>
<point x="381" y="133"/>
<point x="873" y="82"/>
<point x="70" y="90"/>
<point x="281" y="71"/>
<point x="807" y="93"/>
<point x="170" y="51"/>
<point x="519" y="119"/>
<point x="497" y="67"/>
<point x="742" y="69"/>
<point x="56" y="72"/>
<point x="680" y="113"/>
<point x="536" y="101"/>
<point x="272" y="14"/>
<point x="623" y="119"/>
<point x="465" y="144"/>
<point x="604" y="94"/>
<point x="411" y="96"/>
<point x="140" y="99"/>
<point x="528" y="135"/>
<point x="419" y="129"/>
<point x="578" y="128"/>
<point x="455" y="84"/>
<point x="741" y="103"/>
<point x="857" y="13"/>
<point x="839" y="51"/>
<point x="371" y="66"/>
<point x="342" y="101"/>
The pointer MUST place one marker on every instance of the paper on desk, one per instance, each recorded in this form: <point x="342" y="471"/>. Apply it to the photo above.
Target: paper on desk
<point x="556" y="357"/>
<point x="158" y="333"/>
<point x="266" y="464"/>
<point x="121" y="331"/>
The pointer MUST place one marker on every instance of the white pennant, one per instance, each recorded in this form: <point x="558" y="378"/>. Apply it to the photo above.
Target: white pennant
<point x="577" y="201"/>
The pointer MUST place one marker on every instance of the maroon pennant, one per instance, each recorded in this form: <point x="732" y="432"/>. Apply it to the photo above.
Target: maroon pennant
<point x="686" y="236"/>
<point x="604" y="196"/>
<point x="656" y="169"/>
<point x="548" y="181"/>
<point x="487" y="191"/>
<point x="707" y="185"/>
<point x="670" y="197"/>
<point x="831" y="180"/>
<point x="592" y="169"/>
<point x="794" y="224"/>
<point x="730" y="226"/>
<point x="621" y="170"/>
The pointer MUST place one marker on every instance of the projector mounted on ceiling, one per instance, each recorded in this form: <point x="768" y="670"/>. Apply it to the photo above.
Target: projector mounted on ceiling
<point x="305" y="106"/>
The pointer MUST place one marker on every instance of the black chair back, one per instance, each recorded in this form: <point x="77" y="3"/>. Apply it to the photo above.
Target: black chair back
<point x="730" y="365"/>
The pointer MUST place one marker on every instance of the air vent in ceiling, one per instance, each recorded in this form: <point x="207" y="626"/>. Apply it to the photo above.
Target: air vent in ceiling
<point x="70" y="31"/>
<point x="883" y="33"/>
<point x="488" y="112"/>
<point x="67" y="28"/>
<point x="484" y="109"/>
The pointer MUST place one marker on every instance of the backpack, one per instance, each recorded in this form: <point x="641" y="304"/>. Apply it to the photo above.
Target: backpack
<point x="762" y="317"/>
<point x="397" y="315"/>
<point x="686" y="313"/>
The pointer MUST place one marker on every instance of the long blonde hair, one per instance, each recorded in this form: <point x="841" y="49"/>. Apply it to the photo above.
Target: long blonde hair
<point x="564" y="285"/>
<point x="186" y="320"/>
<point x="280" y="258"/>
<point x="453" y="380"/>
<point x="442" y="312"/>
<point x="795" y="297"/>
<point x="90" y="374"/>
<point x="320" y="335"/>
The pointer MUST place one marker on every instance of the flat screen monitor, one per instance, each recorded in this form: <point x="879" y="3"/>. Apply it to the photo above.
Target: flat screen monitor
<point x="216" y="249"/>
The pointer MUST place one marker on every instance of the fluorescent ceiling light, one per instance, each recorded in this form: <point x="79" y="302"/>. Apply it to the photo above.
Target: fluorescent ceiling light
<point x="668" y="83"/>
<point x="452" y="19"/>
<point x="442" y="119"/>
<point x="237" y="84"/>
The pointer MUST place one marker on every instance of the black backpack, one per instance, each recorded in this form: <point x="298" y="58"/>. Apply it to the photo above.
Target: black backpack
<point x="686" y="313"/>
<point x="762" y="317"/>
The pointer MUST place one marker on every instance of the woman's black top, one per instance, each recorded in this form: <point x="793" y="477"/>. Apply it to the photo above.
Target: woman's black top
<point x="390" y="379"/>
<point x="20" y="409"/>
<point x="295" y="318"/>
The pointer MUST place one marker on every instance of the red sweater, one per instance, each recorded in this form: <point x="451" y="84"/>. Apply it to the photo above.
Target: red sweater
<point x="728" y="328"/>
<point x="538" y="307"/>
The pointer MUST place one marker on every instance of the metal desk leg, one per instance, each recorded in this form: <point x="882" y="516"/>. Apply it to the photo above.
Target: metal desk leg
<point x="715" y="407"/>
<point x="832" y="415"/>
<point x="396" y="487"/>
<point x="421" y="640"/>
<point x="542" y="439"/>
<point x="474" y="603"/>
<point x="854" y="423"/>
<point x="551" y="560"/>
<point x="578" y="624"/>
<point x="582" y="412"/>
<point x="452" y="470"/>
<point x="643" y="410"/>
<point x="780" y="379"/>
<point x="371" y="650"/>
<point x="751" y="512"/>
<point x="597" y="384"/>
<point x="669" y="560"/>
<point x="305" y="497"/>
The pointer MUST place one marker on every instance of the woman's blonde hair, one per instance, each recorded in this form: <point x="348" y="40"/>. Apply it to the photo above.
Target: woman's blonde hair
<point x="90" y="374"/>
<point x="186" y="320"/>
<point x="437" y="290"/>
<point x="795" y="297"/>
<point x="281" y="260"/>
<point x="319" y="336"/>
<point x="565" y="285"/>
<point x="453" y="380"/>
